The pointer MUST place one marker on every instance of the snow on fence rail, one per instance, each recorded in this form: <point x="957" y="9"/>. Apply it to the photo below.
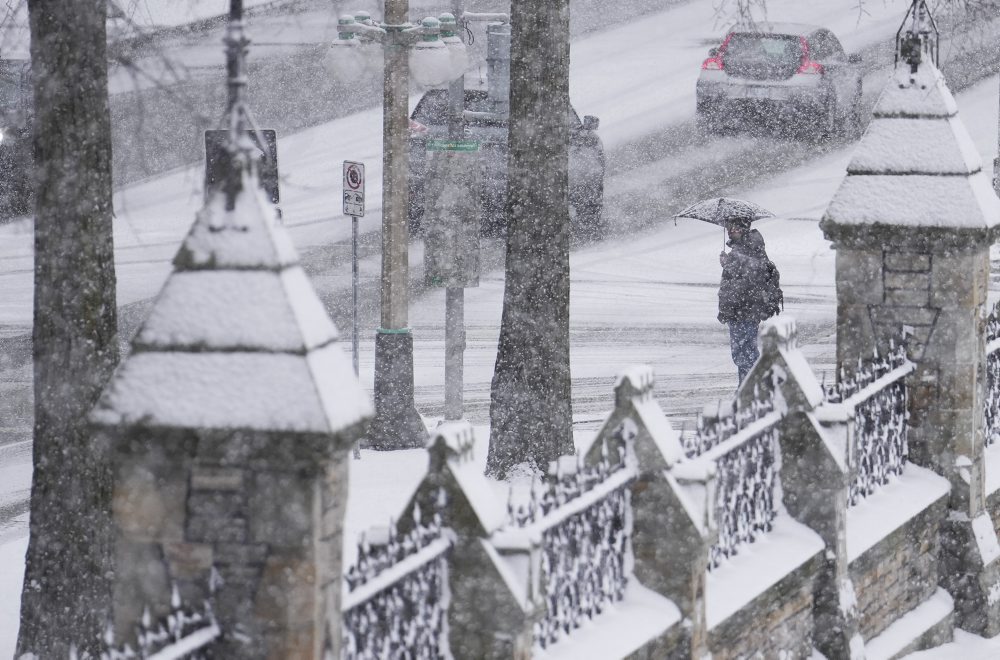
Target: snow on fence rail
<point x="583" y="518"/>
<point x="876" y="393"/>
<point x="992" y="378"/>
<point x="184" y="634"/>
<point x="744" y="448"/>
<point x="398" y="595"/>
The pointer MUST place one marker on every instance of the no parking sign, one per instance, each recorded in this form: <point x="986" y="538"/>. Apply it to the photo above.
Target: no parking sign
<point x="354" y="189"/>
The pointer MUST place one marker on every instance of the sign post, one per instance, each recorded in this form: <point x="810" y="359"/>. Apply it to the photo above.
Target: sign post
<point x="354" y="206"/>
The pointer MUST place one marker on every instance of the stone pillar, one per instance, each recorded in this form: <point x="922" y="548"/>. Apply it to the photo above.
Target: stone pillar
<point x="487" y="619"/>
<point x="912" y="224"/>
<point x="230" y="424"/>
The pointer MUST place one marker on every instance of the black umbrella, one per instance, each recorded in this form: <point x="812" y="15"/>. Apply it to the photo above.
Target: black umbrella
<point x="719" y="210"/>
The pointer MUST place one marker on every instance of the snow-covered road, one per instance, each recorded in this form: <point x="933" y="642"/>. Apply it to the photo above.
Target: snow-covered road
<point x="638" y="79"/>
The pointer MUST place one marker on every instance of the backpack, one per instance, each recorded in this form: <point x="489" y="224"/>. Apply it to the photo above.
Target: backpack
<point x="774" y="299"/>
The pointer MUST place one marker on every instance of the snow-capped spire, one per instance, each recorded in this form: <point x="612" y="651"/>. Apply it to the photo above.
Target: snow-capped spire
<point x="917" y="38"/>
<point x="916" y="165"/>
<point x="237" y="338"/>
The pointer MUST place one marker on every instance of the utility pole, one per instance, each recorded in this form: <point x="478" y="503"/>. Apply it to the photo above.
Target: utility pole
<point x="397" y="425"/>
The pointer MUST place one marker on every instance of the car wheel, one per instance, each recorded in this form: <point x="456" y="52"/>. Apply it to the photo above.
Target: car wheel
<point x="828" y="124"/>
<point x="706" y="118"/>
<point x="706" y="122"/>
<point x="590" y="222"/>
<point x="853" y="127"/>
<point x="415" y="219"/>
<point x="494" y="218"/>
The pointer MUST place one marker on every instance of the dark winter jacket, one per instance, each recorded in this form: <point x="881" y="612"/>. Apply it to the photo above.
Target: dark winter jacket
<point x="749" y="288"/>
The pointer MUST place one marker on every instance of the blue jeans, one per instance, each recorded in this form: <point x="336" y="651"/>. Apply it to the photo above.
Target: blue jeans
<point x="743" y="343"/>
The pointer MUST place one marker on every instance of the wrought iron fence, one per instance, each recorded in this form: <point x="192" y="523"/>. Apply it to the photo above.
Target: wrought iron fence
<point x="745" y="497"/>
<point x="709" y="433"/>
<point x="562" y="489"/>
<point x="880" y="440"/>
<point x="185" y="633"/>
<point x="397" y="603"/>
<point x="992" y="433"/>
<point x="746" y="469"/>
<point x="583" y="566"/>
<point x="867" y="372"/>
<point x="581" y="515"/>
<point x="372" y="561"/>
<point x="876" y="391"/>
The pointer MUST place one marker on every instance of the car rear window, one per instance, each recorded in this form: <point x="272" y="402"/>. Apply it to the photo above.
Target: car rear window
<point x="764" y="48"/>
<point x="432" y="110"/>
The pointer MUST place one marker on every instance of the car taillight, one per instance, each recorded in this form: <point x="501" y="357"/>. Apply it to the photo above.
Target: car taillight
<point x="715" y="63"/>
<point x="416" y="128"/>
<point x="808" y="65"/>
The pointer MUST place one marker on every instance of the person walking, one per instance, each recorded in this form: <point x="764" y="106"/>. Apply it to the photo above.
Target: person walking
<point x="748" y="293"/>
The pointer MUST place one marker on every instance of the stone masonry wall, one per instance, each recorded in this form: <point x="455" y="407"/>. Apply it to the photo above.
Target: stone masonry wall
<point x="247" y="506"/>
<point x="899" y="572"/>
<point x="776" y="624"/>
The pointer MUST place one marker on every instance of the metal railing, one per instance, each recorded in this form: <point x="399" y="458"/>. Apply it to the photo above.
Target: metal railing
<point x="875" y="394"/>
<point x="397" y="601"/>
<point x="709" y="433"/>
<point x="992" y="430"/>
<point x="185" y="633"/>
<point x="581" y="517"/>
<point x="562" y="489"/>
<point x="743" y="445"/>
<point x="583" y="566"/>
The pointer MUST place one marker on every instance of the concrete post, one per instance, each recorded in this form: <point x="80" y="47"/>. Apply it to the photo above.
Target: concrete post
<point x="912" y="224"/>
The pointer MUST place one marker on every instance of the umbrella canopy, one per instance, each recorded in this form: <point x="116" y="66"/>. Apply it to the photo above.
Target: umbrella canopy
<point x="718" y="210"/>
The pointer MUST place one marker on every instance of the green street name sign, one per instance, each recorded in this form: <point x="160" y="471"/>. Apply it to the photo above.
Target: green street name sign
<point x="452" y="145"/>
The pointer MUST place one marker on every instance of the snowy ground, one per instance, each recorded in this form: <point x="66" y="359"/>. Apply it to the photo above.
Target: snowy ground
<point x="640" y="298"/>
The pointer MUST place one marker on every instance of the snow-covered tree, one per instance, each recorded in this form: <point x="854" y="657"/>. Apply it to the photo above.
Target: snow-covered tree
<point x="530" y="406"/>
<point x="66" y="585"/>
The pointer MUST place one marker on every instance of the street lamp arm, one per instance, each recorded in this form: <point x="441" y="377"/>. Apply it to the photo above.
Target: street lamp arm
<point x="366" y="31"/>
<point x="477" y="17"/>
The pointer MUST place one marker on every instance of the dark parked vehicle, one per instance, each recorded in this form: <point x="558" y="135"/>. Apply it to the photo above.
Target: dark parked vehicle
<point x="15" y="137"/>
<point x="586" y="160"/>
<point x="796" y="74"/>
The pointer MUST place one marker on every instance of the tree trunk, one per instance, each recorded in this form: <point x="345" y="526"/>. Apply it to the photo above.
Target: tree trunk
<point x="66" y="592"/>
<point x="530" y="405"/>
